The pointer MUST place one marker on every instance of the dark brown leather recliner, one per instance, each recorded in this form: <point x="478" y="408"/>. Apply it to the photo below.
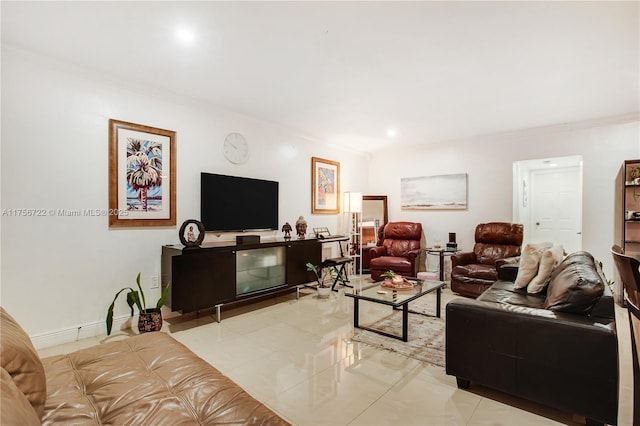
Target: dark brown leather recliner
<point x="398" y="250"/>
<point x="474" y="272"/>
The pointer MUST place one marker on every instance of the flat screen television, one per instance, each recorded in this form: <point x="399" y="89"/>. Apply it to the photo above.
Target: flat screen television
<point x="232" y="203"/>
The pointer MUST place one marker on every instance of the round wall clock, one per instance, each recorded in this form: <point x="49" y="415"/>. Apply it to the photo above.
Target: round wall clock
<point x="236" y="148"/>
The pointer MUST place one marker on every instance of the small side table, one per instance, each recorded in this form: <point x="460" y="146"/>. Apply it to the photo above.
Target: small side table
<point x="441" y="252"/>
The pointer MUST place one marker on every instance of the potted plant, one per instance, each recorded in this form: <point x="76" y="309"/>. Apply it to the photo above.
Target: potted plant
<point x="324" y="290"/>
<point x="149" y="319"/>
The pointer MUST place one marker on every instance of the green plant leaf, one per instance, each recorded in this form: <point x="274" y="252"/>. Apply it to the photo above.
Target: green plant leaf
<point x="133" y="298"/>
<point x="109" y="319"/>
<point x="165" y="293"/>
<point x="144" y="302"/>
<point x="311" y="267"/>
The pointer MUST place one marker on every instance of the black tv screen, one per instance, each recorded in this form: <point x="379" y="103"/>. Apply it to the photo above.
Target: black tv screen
<point x="231" y="203"/>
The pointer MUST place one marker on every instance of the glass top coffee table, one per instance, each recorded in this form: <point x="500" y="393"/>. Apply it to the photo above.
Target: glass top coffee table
<point x="398" y="299"/>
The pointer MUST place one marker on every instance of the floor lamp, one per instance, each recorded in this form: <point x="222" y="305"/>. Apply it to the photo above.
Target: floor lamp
<point x="353" y="206"/>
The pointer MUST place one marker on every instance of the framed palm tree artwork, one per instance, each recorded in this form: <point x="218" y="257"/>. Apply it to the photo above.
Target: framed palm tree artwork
<point x="142" y="175"/>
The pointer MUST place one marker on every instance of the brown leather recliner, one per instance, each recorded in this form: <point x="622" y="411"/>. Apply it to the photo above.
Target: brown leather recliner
<point x="398" y="250"/>
<point x="474" y="272"/>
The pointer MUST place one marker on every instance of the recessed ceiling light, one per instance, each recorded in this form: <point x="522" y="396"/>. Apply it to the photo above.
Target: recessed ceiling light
<point x="392" y="132"/>
<point x="185" y="35"/>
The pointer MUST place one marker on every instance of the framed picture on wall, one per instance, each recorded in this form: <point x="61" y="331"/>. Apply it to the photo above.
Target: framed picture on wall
<point x="142" y="175"/>
<point x="325" y="186"/>
<point x="440" y="192"/>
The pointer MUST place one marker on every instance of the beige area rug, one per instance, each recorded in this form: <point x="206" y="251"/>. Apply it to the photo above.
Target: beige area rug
<point x="426" y="334"/>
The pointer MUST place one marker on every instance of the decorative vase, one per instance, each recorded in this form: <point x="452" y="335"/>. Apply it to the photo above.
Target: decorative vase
<point x="324" y="292"/>
<point x="150" y="320"/>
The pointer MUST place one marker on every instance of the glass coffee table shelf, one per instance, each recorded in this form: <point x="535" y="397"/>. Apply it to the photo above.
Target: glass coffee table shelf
<point x="398" y="299"/>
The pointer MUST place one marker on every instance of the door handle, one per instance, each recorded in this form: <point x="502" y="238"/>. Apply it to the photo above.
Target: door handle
<point x="579" y="233"/>
<point x="537" y="223"/>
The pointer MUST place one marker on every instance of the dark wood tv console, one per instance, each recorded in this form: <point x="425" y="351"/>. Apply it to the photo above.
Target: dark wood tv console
<point x="224" y="273"/>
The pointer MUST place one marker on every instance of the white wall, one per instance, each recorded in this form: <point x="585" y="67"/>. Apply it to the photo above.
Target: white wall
<point x="604" y="145"/>
<point x="61" y="273"/>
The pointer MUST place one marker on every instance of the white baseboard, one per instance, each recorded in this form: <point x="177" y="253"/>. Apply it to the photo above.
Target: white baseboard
<point x="85" y="331"/>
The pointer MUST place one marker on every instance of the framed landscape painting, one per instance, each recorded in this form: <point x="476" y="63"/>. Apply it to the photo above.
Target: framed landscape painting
<point x="142" y="175"/>
<point x="325" y="186"/>
<point x="440" y="192"/>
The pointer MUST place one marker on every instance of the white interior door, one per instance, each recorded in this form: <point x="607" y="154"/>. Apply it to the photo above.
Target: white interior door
<point x="556" y="207"/>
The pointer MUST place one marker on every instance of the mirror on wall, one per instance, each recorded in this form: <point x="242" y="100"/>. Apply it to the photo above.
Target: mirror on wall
<point x="374" y="215"/>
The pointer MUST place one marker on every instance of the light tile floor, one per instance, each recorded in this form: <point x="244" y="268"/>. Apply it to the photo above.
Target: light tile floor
<point x="296" y="356"/>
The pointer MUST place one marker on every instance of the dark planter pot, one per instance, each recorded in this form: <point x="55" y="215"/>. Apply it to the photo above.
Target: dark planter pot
<point x="150" y="320"/>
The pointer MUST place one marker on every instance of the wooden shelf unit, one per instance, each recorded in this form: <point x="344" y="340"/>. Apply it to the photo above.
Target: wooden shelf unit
<point x="630" y="214"/>
<point x="627" y="217"/>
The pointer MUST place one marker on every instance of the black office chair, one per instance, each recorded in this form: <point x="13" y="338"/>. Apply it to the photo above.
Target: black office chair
<point x="629" y="270"/>
<point x="338" y="266"/>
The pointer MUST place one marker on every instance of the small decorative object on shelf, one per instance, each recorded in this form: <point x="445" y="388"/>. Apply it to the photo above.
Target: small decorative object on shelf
<point x="634" y="174"/>
<point x="301" y="228"/>
<point x="452" y="244"/>
<point x="286" y="228"/>
<point x="395" y="281"/>
<point x="187" y="233"/>
<point x="633" y="215"/>
<point x="321" y="233"/>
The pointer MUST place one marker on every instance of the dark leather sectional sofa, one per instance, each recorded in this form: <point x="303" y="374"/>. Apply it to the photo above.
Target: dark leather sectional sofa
<point x="564" y="355"/>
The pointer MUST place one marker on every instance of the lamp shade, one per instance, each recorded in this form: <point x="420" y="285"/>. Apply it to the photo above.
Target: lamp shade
<point x="353" y="202"/>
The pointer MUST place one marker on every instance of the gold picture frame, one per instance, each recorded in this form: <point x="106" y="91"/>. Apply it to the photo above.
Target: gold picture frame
<point x="325" y="186"/>
<point x="142" y="175"/>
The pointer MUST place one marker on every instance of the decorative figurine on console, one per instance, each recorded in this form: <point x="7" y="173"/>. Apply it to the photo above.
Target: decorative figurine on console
<point x="191" y="236"/>
<point x="452" y="245"/>
<point x="187" y="234"/>
<point x="286" y="228"/>
<point x="301" y="228"/>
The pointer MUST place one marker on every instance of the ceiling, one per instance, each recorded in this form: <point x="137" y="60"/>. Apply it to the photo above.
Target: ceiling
<point x="345" y="73"/>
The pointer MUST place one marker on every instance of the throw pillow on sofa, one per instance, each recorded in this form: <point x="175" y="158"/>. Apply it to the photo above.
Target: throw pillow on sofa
<point x="16" y="408"/>
<point x="21" y="361"/>
<point x="576" y="284"/>
<point x="529" y="262"/>
<point x="548" y="261"/>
